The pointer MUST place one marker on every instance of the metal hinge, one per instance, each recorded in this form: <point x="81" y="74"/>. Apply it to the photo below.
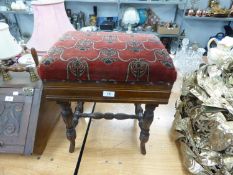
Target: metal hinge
<point x="28" y="91"/>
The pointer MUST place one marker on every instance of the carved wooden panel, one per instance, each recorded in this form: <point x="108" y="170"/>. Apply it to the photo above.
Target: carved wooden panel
<point x="14" y="120"/>
<point x="18" y="119"/>
<point x="10" y="117"/>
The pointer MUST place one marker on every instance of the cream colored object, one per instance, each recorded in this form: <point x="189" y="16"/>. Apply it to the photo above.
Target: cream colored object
<point x="18" y="5"/>
<point x="222" y="53"/>
<point x="89" y="29"/>
<point x="130" y="18"/>
<point x="8" y="45"/>
<point x="27" y="59"/>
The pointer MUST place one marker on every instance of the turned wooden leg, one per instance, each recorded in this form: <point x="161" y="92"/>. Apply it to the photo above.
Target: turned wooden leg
<point x="78" y="110"/>
<point x="138" y="111"/>
<point x="144" y="124"/>
<point x="67" y="116"/>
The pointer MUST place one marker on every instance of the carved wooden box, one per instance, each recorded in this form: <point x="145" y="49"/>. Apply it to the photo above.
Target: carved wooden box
<point x="19" y="108"/>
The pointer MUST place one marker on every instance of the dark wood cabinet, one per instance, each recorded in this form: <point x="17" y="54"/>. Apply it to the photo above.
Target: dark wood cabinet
<point x="25" y="121"/>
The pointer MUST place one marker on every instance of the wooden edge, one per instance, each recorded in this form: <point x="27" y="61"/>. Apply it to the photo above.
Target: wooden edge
<point x="35" y="56"/>
<point x="48" y="117"/>
<point x="94" y="92"/>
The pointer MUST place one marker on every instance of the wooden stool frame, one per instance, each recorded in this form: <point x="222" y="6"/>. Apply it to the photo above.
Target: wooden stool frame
<point x="65" y="92"/>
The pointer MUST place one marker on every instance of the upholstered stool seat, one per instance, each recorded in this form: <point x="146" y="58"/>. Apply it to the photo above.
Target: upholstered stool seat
<point x="109" y="57"/>
<point x="108" y="67"/>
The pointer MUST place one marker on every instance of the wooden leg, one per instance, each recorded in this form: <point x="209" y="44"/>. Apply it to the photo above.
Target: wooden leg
<point x="144" y="124"/>
<point x="78" y="110"/>
<point x="80" y="106"/>
<point x="138" y="111"/>
<point x="67" y="116"/>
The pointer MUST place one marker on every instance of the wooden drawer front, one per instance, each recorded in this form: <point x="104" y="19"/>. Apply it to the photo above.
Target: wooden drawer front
<point x="14" y="119"/>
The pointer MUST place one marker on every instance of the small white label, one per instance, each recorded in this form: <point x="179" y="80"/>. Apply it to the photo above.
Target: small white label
<point x="108" y="94"/>
<point x="15" y="93"/>
<point x="9" y="98"/>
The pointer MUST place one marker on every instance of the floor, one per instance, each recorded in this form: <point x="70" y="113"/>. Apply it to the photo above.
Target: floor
<point x="112" y="147"/>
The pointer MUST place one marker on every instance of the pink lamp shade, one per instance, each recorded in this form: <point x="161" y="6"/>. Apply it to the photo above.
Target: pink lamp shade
<point x="50" y="23"/>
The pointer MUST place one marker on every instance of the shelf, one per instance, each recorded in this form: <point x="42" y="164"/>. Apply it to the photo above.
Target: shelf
<point x="166" y="2"/>
<point x="168" y="36"/>
<point x="208" y="18"/>
<point x="118" y="2"/>
<point x="162" y="2"/>
<point x="143" y="32"/>
<point x="159" y="35"/>
<point x="17" y="12"/>
<point x="94" y="1"/>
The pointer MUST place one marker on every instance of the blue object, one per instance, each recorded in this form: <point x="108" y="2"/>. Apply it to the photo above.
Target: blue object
<point x="142" y="15"/>
<point x="219" y="36"/>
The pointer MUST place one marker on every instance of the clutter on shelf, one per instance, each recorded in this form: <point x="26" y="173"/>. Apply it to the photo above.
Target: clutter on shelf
<point x="133" y="19"/>
<point x="18" y="5"/>
<point x="107" y="23"/>
<point x="167" y="28"/>
<point x="214" y="10"/>
<point x="149" y="21"/>
<point x="93" y="23"/>
<point x="76" y="19"/>
<point x="93" y="17"/>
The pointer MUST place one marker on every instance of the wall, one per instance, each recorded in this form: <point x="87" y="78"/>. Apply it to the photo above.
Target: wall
<point x="197" y="31"/>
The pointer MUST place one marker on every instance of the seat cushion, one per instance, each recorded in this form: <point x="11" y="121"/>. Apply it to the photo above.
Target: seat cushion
<point x="108" y="56"/>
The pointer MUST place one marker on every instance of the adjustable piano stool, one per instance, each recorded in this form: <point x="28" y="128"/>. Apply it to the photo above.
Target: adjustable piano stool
<point x="107" y="67"/>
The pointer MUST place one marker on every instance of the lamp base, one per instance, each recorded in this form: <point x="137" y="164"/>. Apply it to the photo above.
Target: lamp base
<point x="5" y="74"/>
<point x="129" y="29"/>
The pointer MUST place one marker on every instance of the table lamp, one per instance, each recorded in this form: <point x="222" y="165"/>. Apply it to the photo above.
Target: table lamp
<point x="130" y="17"/>
<point x="50" y="23"/>
<point x="9" y="48"/>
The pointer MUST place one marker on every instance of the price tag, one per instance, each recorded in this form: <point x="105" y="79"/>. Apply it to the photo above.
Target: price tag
<point x="15" y="93"/>
<point x="108" y="94"/>
<point x="9" y="98"/>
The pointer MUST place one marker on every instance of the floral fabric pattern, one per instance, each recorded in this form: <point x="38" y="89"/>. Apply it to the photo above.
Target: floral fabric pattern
<point x="96" y="56"/>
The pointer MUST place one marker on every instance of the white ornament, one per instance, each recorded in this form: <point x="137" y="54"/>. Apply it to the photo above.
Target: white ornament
<point x="188" y="60"/>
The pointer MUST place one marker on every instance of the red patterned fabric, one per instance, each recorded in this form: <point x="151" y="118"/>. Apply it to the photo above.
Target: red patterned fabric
<point x="108" y="56"/>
